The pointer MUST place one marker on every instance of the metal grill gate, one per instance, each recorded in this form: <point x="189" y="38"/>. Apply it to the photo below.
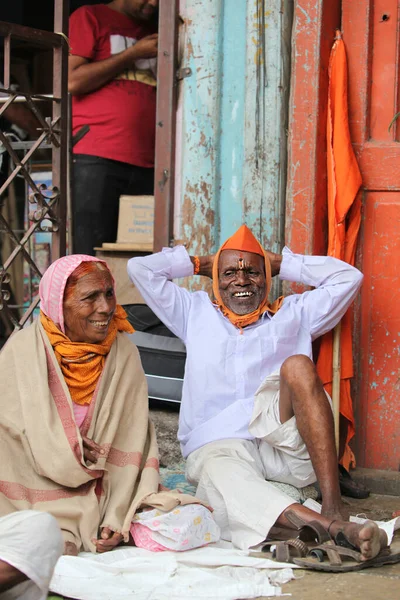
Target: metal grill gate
<point x="49" y="206"/>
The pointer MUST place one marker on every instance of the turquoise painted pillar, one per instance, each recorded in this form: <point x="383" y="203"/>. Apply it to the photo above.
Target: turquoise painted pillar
<point x="232" y="117"/>
<point x="232" y="121"/>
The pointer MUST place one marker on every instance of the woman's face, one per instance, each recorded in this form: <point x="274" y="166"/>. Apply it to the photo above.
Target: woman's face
<point x="90" y="307"/>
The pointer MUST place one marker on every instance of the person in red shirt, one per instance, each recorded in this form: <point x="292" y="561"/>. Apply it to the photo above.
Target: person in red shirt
<point x="112" y="80"/>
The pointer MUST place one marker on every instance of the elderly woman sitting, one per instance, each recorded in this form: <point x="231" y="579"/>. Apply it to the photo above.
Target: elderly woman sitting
<point x="75" y="437"/>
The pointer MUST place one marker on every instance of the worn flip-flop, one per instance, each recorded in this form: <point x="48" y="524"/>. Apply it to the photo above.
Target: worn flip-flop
<point x="337" y="559"/>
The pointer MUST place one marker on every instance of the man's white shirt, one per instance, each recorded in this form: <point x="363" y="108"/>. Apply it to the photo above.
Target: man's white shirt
<point x="225" y="365"/>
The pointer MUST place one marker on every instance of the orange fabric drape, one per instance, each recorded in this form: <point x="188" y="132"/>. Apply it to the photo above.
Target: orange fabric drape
<point x="344" y="218"/>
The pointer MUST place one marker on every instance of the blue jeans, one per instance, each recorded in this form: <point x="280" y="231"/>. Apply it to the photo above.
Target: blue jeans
<point x="97" y="184"/>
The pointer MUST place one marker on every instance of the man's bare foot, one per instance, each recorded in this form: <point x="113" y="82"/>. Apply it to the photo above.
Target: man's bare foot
<point x="332" y="511"/>
<point x="367" y="537"/>
<point x="70" y="549"/>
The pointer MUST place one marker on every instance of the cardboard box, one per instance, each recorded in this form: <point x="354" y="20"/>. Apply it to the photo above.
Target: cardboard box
<point x="116" y="260"/>
<point x="136" y="222"/>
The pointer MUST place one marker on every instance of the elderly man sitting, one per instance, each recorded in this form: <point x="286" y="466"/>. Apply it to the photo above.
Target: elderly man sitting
<point x="253" y="408"/>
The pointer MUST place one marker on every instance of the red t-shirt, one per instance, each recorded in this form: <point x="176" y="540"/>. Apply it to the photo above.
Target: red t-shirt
<point x="121" y="115"/>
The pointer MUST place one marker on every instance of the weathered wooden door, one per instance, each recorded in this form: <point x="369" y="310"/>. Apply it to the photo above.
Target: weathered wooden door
<point x="371" y="30"/>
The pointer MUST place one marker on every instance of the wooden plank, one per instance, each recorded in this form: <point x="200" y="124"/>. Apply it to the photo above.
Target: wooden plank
<point x="122" y="247"/>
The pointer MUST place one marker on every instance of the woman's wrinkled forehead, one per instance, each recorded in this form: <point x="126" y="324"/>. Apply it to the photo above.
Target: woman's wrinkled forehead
<point x="101" y="277"/>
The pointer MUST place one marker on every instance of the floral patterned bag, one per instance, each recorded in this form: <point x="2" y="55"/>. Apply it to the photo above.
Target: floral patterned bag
<point x="183" y="528"/>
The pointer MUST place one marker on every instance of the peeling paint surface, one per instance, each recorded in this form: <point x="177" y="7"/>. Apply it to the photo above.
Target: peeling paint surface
<point x="232" y="121"/>
<point x="373" y="88"/>
<point x="379" y="400"/>
<point x="372" y="45"/>
<point x="307" y="121"/>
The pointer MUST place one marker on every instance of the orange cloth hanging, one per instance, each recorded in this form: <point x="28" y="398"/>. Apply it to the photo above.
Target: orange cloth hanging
<point x="344" y="218"/>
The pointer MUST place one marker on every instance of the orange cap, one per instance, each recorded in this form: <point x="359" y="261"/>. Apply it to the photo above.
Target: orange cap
<point x="243" y="240"/>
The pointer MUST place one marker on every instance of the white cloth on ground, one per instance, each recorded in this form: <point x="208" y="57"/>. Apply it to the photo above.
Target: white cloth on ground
<point x="30" y="541"/>
<point x="224" y="365"/>
<point x="208" y="573"/>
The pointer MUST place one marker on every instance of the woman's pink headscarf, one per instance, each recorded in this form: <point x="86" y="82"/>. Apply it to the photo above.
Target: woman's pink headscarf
<point x="53" y="282"/>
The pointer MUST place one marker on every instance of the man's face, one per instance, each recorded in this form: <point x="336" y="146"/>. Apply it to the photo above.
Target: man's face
<point x="241" y="279"/>
<point x="90" y="308"/>
<point x="143" y="10"/>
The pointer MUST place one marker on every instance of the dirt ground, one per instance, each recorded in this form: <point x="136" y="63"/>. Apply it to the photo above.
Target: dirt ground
<point x="371" y="584"/>
<point x="165" y="419"/>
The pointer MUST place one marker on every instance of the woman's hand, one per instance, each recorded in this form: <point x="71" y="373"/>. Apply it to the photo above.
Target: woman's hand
<point x="108" y="540"/>
<point x="91" y="450"/>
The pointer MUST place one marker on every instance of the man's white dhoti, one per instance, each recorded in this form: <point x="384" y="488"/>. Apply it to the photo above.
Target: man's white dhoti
<point x="231" y="474"/>
<point x="30" y="541"/>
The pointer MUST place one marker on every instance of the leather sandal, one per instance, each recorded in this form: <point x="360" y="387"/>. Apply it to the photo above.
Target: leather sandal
<point x="286" y="551"/>
<point x="337" y="559"/>
<point x="309" y="535"/>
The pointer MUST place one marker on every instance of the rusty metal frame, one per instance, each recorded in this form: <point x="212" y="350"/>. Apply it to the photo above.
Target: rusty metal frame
<point x="165" y="124"/>
<point x="51" y="204"/>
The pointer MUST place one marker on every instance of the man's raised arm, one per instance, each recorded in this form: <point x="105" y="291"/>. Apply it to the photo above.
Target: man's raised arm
<point x="153" y="275"/>
<point x="336" y="285"/>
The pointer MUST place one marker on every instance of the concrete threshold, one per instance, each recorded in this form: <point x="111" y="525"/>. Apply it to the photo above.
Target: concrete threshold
<point x="378" y="481"/>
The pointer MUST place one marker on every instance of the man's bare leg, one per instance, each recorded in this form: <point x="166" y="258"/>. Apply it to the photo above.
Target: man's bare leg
<point x="9" y="576"/>
<point x="302" y="395"/>
<point x="368" y="537"/>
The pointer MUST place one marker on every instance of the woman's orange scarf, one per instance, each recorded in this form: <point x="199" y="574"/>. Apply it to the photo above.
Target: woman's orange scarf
<point x="82" y="363"/>
<point x="243" y="240"/>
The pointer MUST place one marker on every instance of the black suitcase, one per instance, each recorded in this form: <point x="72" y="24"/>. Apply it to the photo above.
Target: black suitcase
<point x="163" y="355"/>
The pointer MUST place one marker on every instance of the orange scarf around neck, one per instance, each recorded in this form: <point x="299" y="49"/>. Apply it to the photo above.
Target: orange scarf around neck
<point x="248" y="244"/>
<point x="82" y="363"/>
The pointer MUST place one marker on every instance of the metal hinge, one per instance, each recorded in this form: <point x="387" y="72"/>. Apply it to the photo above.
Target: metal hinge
<point x="183" y="73"/>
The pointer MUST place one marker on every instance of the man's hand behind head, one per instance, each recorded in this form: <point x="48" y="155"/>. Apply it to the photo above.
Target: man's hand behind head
<point x="275" y="260"/>
<point x="205" y="265"/>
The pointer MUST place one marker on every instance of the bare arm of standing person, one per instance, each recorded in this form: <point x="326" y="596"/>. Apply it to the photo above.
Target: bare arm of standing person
<point x="85" y="76"/>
